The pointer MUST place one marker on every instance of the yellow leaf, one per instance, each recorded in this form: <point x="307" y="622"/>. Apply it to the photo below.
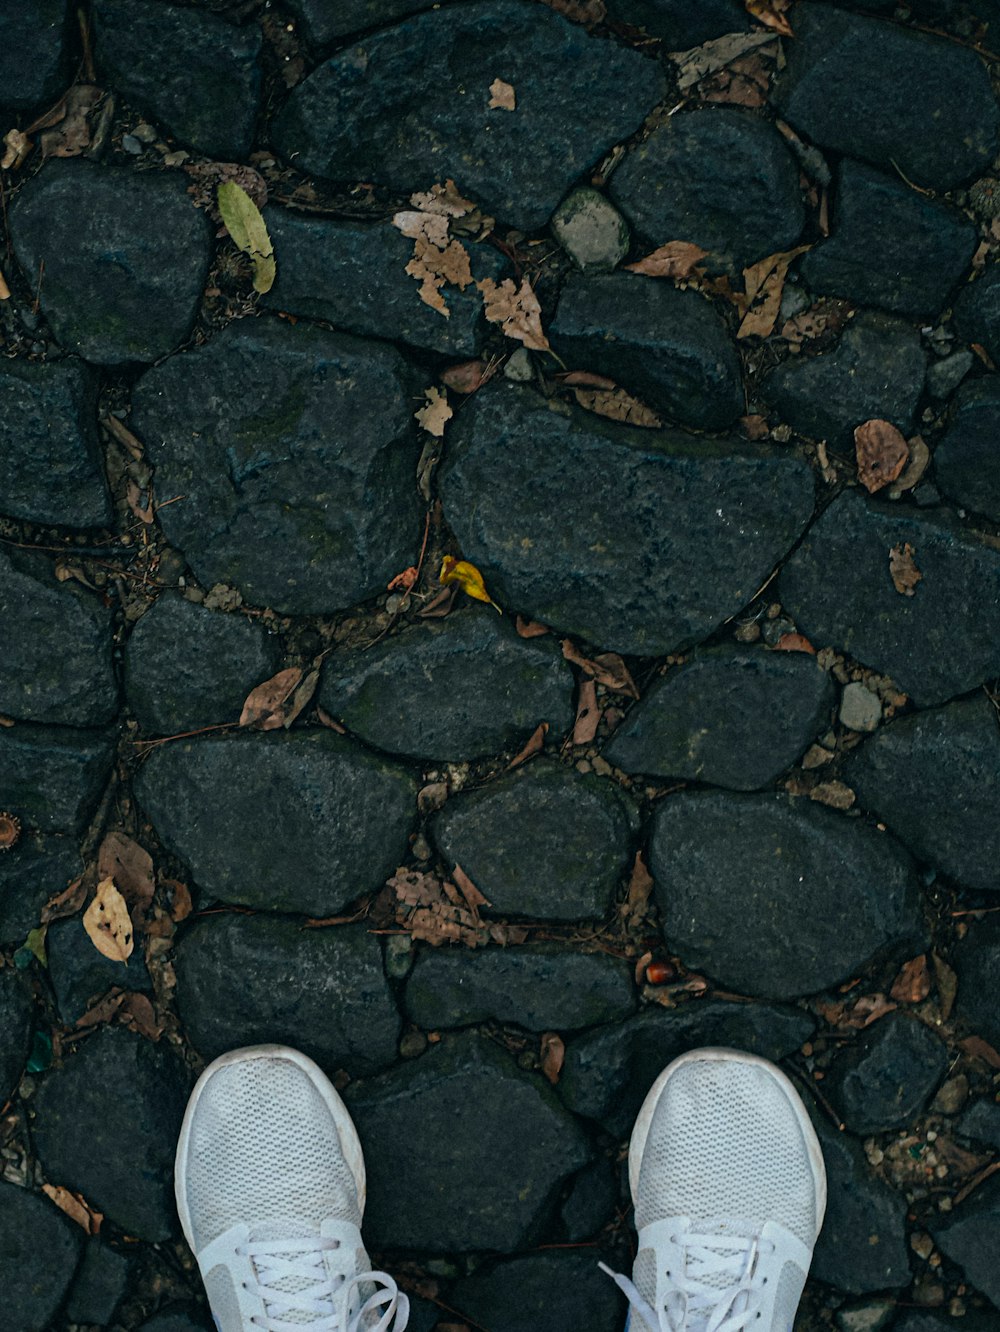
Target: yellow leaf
<point x="468" y="577"/>
<point x="108" y="923"/>
<point x="248" y="230"/>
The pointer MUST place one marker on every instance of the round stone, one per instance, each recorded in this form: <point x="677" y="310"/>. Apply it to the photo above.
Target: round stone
<point x="40" y="1249"/>
<point x="591" y="230"/>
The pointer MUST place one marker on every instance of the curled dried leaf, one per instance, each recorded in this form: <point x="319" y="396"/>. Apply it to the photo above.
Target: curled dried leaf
<point x="516" y="310"/>
<point x="772" y="13"/>
<point x="551" y="1055"/>
<point x="764" y="283"/>
<point x="535" y="745"/>
<point x="108" y="924"/>
<point x="402" y="582"/>
<point x="676" y="259"/>
<point x="278" y="701"/>
<point x="436" y="412"/>
<point x="75" y="1207"/>
<point x="617" y="405"/>
<point x="913" y="984"/>
<point x="882" y="453"/>
<point x="130" y="865"/>
<point x="903" y="570"/>
<point x="588" y="714"/>
<point x="468" y="578"/>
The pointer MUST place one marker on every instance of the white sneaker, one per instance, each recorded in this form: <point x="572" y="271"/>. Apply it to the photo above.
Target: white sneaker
<point x="270" y="1185"/>
<point x="729" y="1188"/>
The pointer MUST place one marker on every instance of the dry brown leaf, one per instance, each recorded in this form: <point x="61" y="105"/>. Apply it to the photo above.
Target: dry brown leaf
<point x="552" y="1052"/>
<point x="506" y="934"/>
<point x="133" y="496"/>
<point x="636" y="904"/>
<point x="465" y="378"/>
<point x="980" y="1049"/>
<point x="903" y="571"/>
<point x="607" y="668"/>
<point x="444" y="200"/>
<point x="822" y="315"/>
<point x="432" y="797"/>
<point x="103" y="1011"/>
<point x="913" y="984"/>
<point x="838" y="795"/>
<point x="473" y="897"/>
<point x="75" y="1207"/>
<point x="585" y="379"/>
<point x="764" y="283"/>
<point x="530" y="628"/>
<point x="435" y="414"/>
<point x="123" y="435"/>
<point x="324" y="719"/>
<point x="920" y="456"/>
<point x="535" y="745"/>
<point x="502" y="96"/>
<point x="772" y="13"/>
<point x="983" y="354"/>
<point x="587" y="12"/>
<point x="444" y="923"/>
<point x="855" y="1017"/>
<point x="516" y="310"/>
<point x="700" y="61"/>
<point x="414" y="888"/>
<point x="617" y="405"/>
<point x="440" y="605"/>
<point x="745" y="82"/>
<point x="278" y="701"/>
<point x="66" y="903"/>
<point x="70" y="134"/>
<point x="754" y="427"/>
<point x="108" y="923"/>
<point x="676" y="259"/>
<point x="947" y="985"/>
<point x="882" y="453"/>
<point x="403" y="581"/>
<point x="794" y="643"/>
<point x="130" y="866"/>
<point x="138" y="1015"/>
<point x="588" y="714"/>
<point x="181" y="904"/>
<point x="17" y="146"/>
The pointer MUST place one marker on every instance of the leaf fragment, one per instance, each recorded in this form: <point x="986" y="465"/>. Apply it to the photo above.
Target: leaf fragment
<point x="535" y="745"/>
<point x="466" y="377"/>
<point x="882" y="453"/>
<point x="640" y="886"/>
<point x="764" y="283"/>
<point x="587" y="12"/>
<point x="617" y="405"/>
<point x="402" y="582"/>
<point x="130" y="866"/>
<point x="468" y="578"/>
<point x="17" y="146"/>
<point x="588" y="714"/>
<point x="699" y="61"/>
<point x="516" y="310"/>
<point x="502" y="96"/>
<point x="75" y="1207"/>
<point x="903" y="570"/>
<point x="947" y="984"/>
<point x="913" y="984"/>
<point x="108" y="923"/>
<point x="474" y="898"/>
<point x="530" y="628"/>
<point x="772" y="13"/>
<point x="552" y="1052"/>
<point x="607" y="668"/>
<point x="676" y="259"/>
<point x="436" y="412"/>
<point x="248" y="230"/>
<point x="278" y="701"/>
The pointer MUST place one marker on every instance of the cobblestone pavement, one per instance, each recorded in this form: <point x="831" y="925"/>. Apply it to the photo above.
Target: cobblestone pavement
<point x="725" y="769"/>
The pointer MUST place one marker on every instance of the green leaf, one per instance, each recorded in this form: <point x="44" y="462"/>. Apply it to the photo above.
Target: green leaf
<point x="33" y="946"/>
<point x="249" y="232"/>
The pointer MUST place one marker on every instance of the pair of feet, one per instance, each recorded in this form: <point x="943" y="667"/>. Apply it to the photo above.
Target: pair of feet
<point x="725" y="1171"/>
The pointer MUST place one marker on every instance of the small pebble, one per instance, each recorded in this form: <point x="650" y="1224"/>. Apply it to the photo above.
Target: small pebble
<point x="591" y="230"/>
<point x="860" y="709"/>
<point x="131" y="144"/>
<point x="144" y="132"/>
<point x="518" y="368"/>
<point x="414" y="1043"/>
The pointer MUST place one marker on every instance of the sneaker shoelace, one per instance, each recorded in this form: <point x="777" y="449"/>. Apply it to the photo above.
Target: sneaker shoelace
<point x="294" y="1283"/>
<point x="716" y="1290"/>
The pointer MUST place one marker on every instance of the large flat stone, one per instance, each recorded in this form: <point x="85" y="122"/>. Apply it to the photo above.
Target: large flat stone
<point x="313" y="822"/>
<point x="253" y="980"/>
<point x="607" y="1073"/>
<point x="967" y="459"/>
<point x="720" y="177"/>
<point x="41" y="1248"/>
<point x="889" y="246"/>
<point x="503" y="836"/>
<point x="34" y="64"/>
<point x="57" y="646"/>
<point x="884" y="1080"/>
<point x="53" y="777"/>
<point x="862" y="1246"/>
<point x="669" y="347"/>
<point x="934" y="778"/>
<point x="734" y="717"/>
<point x="187" y="667"/>
<point x="124" y="1097"/>
<point x="487" y="1147"/>
<point x="876" y="370"/>
<point x="125" y="255"/>
<point x="410" y="106"/>
<point x="354" y="275"/>
<point x="849" y="83"/>
<point x="301" y="492"/>
<point x="775" y="897"/>
<point x="977" y="961"/>
<point x="971" y="1235"/>
<point x="516" y="1295"/>
<point x="942" y="641"/>
<point x="34" y="870"/>
<point x="51" y="468"/>
<point x="193" y="71"/>
<point x="80" y="974"/>
<point x="17" y="1020"/>
<point x="462" y="688"/>
<point x="555" y="506"/>
<point x="540" y="987"/>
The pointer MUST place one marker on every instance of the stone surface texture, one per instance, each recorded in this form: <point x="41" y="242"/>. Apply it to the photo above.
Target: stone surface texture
<point x="513" y="461"/>
<point x="125" y="258"/>
<point x="777" y="897"/>
<point x="668" y="347"/>
<point x="16" y="1022"/>
<point x="720" y="177"/>
<point x="254" y="980"/>
<point x="846" y="88"/>
<point x="501" y="835"/>
<point x="80" y="974"/>
<point x="30" y="873"/>
<point x="187" y="667"/>
<point x="41" y="1248"/>
<point x="460" y="688"/>
<point x="51" y="778"/>
<point x="970" y="1236"/>
<point x="34" y="52"/>
<point x="942" y="641"/>
<point x="516" y="1295"/>
<point x="301" y="494"/>
<point x="327" y="820"/>
<point x="410" y="106"/>
<point x="51" y="469"/>
<point x="967" y="459"/>
<point x="733" y="717"/>
<point x="195" y="72"/>
<point x="885" y="1079"/>
<point x="977" y="311"/>
<point x="977" y="959"/>
<point x="934" y="778"/>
